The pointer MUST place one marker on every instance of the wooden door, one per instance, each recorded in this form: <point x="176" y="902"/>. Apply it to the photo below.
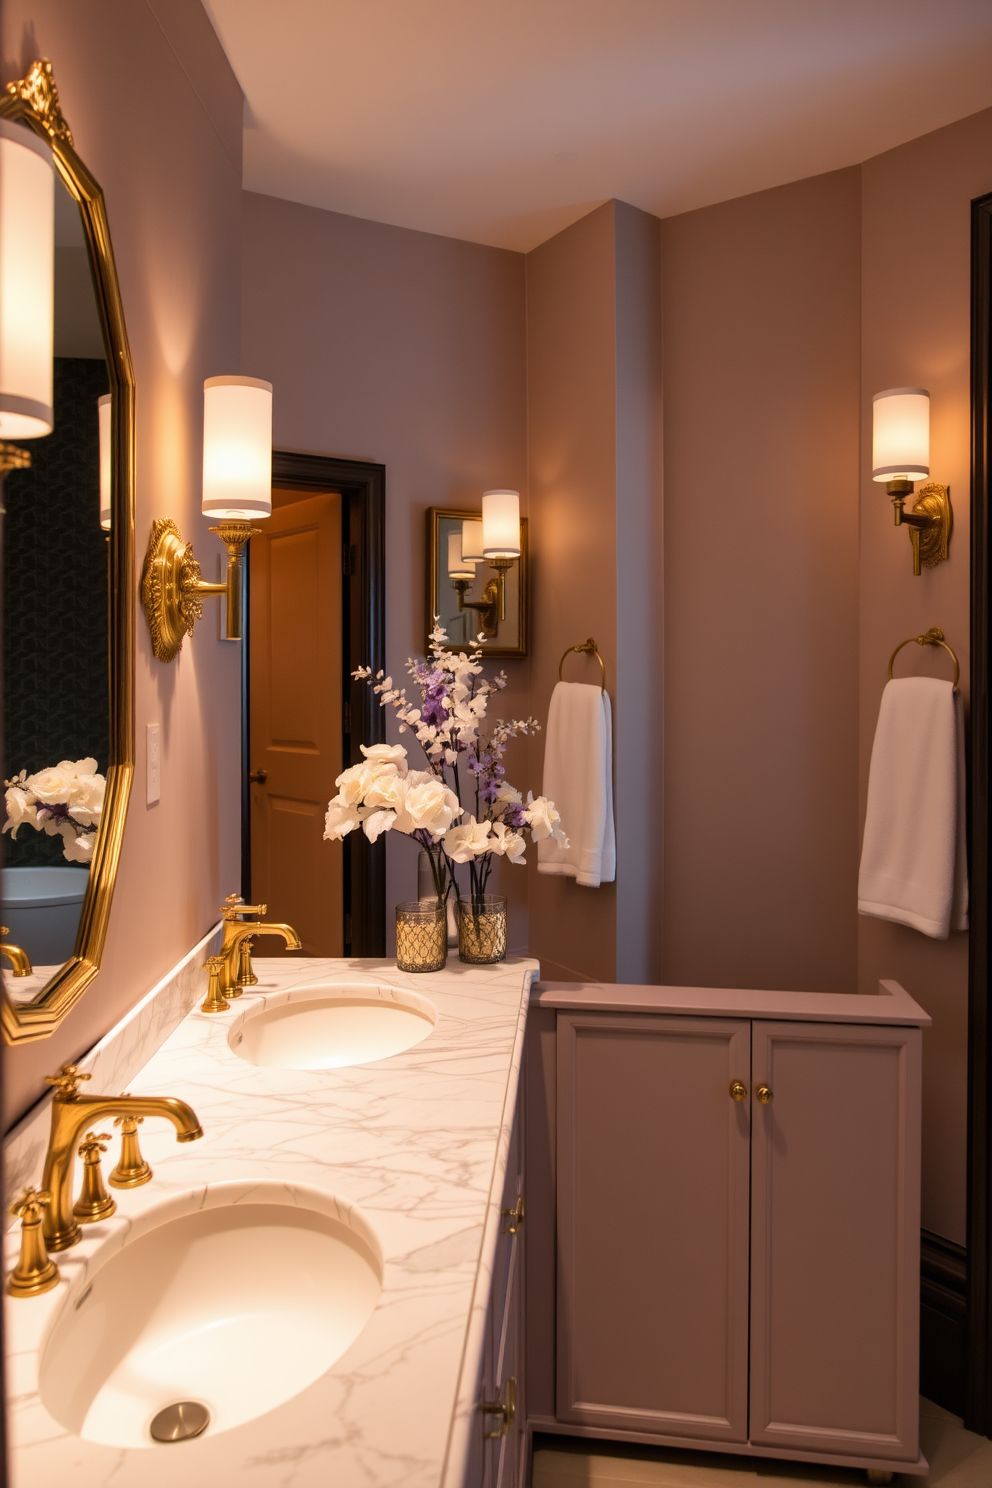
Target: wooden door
<point x="835" y="1199"/>
<point x="295" y="734"/>
<point x="653" y="1224"/>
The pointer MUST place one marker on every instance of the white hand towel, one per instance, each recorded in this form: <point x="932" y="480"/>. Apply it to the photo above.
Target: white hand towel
<point x="913" y="860"/>
<point x="578" y="778"/>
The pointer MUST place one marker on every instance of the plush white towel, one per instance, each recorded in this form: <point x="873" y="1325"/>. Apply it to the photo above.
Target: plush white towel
<point x="913" y="860"/>
<point x="578" y="777"/>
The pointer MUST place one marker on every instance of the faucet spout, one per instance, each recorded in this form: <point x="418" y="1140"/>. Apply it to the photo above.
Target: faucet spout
<point x="236" y="931"/>
<point x="18" y="958"/>
<point x="71" y="1113"/>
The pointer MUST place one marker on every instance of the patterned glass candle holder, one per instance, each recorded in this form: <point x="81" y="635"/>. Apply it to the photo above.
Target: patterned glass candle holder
<point x="482" y="929"/>
<point x="421" y="936"/>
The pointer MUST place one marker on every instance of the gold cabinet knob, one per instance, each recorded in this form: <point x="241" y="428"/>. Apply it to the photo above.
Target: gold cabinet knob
<point x="738" y="1092"/>
<point x="764" y="1095"/>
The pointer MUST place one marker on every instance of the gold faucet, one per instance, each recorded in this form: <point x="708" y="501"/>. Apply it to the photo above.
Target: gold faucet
<point x="19" y="960"/>
<point x="237" y="930"/>
<point x="71" y="1113"/>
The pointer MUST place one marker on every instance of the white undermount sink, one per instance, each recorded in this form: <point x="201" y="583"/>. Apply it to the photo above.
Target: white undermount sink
<point x="226" y="1311"/>
<point x="327" y="1025"/>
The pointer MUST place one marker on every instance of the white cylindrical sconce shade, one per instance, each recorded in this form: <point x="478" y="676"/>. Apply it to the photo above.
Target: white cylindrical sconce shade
<point x="237" y="448"/>
<point x="472" y="550"/>
<point x="27" y="283"/>
<point x="501" y="524"/>
<point x="457" y="566"/>
<point x="900" y="442"/>
<point x="103" y="408"/>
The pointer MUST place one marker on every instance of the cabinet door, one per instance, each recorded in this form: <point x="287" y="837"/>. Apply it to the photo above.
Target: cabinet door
<point x="835" y="1239"/>
<point x="653" y="1224"/>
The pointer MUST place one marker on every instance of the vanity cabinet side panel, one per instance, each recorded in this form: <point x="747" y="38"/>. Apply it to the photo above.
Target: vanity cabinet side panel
<point x="652" y="1160"/>
<point x="835" y="1196"/>
<point x="540" y="1258"/>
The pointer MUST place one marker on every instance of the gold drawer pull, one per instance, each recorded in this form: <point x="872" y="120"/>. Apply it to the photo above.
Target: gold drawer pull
<point x="764" y="1095"/>
<point x="738" y="1092"/>
<point x="514" y="1216"/>
<point x="506" y="1409"/>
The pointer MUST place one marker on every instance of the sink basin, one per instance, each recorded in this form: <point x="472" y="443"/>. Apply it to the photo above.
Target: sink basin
<point x="327" y="1025"/>
<point x="235" y="1307"/>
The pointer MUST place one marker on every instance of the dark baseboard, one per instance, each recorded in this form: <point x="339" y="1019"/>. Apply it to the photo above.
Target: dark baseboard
<point x="943" y="1321"/>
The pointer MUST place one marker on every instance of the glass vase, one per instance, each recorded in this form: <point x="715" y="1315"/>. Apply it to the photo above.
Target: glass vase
<point x="421" y="936"/>
<point x="482" y="929"/>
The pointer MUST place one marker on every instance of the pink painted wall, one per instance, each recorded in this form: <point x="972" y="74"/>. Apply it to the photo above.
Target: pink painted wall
<point x="156" y="113"/>
<point x="916" y="294"/>
<point x="594" y="424"/>
<point x="406" y="348"/>
<point x="761" y="328"/>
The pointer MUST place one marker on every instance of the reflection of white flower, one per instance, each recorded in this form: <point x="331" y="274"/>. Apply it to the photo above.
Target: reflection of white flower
<point x="468" y="841"/>
<point x="63" y="800"/>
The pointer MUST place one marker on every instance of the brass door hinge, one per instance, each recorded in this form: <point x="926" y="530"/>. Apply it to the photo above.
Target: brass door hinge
<point x="506" y="1409"/>
<point x="514" y="1218"/>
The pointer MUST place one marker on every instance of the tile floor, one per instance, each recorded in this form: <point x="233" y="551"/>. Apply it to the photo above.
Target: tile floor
<point x="958" y="1459"/>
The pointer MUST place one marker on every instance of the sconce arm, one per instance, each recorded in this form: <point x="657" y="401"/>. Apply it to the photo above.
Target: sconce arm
<point x="172" y="589"/>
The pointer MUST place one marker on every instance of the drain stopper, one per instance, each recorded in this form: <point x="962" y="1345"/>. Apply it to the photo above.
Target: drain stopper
<point x="180" y="1422"/>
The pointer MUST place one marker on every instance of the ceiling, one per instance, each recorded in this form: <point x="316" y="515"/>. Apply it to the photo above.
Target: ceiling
<point x="502" y="121"/>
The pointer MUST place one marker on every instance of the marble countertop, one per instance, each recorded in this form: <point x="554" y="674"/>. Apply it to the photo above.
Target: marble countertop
<point x="418" y="1143"/>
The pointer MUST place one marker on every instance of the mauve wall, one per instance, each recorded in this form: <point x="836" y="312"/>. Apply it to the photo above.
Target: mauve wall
<point x="761" y="583"/>
<point x="916" y="298"/>
<point x="406" y="348"/>
<point x="157" y="114"/>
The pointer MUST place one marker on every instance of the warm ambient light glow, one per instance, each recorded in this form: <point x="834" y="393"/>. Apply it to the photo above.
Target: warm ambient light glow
<point x="103" y="413"/>
<point x="458" y="567"/>
<point x="27" y="283"/>
<point x="472" y="542"/>
<point x="501" y="524"/>
<point x="901" y="435"/>
<point x="237" y="448"/>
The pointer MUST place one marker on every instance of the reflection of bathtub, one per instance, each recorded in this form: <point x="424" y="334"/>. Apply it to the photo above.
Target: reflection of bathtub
<point x="41" y="908"/>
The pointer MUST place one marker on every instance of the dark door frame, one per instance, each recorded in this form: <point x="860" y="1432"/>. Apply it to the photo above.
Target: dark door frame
<point x="978" y="1401"/>
<point x="363" y="628"/>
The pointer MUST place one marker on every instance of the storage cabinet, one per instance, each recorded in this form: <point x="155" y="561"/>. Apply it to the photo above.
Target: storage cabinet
<point x="737" y="1221"/>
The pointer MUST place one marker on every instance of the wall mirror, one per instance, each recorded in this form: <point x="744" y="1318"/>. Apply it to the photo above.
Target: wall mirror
<point x="68" y="665"/>
<point x="457" y="594"/>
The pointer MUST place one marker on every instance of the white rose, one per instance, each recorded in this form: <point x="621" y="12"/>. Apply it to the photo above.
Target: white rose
<point x="542" y="818"/>
<point x="468" y="841"/>
<point x="377" y="823"/>
<point x="77" y="849"/>
<point x="507" y="843"/>
<point x="87" y="799"/>
<point x="506" y="792"/>
<point x="21" y="809"/>
<point x="342" y="817"/>
<point x="355" y="781"/>
<point x="429" y="807"/>
<point x="387" y="790"/>
<point x="54" y="784"/>
<point x="386" y="754"/>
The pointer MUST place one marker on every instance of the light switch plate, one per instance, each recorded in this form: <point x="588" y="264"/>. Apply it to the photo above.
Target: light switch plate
<point x="153" y="766"/>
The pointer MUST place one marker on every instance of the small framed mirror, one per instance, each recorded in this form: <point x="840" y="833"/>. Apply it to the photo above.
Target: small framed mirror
<point x="68" y="619"/>
<point x="465" y="592"/>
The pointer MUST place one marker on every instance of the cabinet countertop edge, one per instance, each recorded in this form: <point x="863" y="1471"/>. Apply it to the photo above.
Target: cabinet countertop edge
<point x="891" y="1005"/>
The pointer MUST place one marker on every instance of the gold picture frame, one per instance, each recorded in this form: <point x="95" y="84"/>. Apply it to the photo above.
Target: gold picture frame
<point x="511" y="638"/>
<point x="34" y="100"/>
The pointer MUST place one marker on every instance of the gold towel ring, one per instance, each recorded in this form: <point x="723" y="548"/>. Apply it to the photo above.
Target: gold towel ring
<point x="591" y="647"/>
<point x="933" y="637"/>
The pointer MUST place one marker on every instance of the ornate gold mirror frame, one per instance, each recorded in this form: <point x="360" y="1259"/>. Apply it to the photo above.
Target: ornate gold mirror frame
<point x="35" y="101"/>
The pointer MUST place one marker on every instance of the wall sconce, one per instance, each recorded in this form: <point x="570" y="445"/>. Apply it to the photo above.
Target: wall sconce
<point x="496" y="541"/>
<point x="900" y="456"/>
<point x="103" y="409"/>
<point x="27" y="290"/>
<point x="237" y="488"/>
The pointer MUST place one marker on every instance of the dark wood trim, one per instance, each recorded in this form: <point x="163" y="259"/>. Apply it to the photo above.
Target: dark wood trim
<point x="978" y="1393"/>
<point x="363" y="623"/>
<point x="943" y="1320"/>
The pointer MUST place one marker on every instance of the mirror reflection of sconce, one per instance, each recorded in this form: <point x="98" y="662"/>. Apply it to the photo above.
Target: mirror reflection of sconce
<point x="494" y="540"/>
<point x="237" y="489"/>
<point x="27" y="290"/>
<point x="900" y="456"/>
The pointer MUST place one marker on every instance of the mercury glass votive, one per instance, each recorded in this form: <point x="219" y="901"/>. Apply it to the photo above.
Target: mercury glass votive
<point x="421" y="936"/>
<point x="482" y="929"/>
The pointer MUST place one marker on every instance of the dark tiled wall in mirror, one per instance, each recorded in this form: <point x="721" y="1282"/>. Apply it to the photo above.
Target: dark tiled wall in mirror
<point x="55" y="599"/>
